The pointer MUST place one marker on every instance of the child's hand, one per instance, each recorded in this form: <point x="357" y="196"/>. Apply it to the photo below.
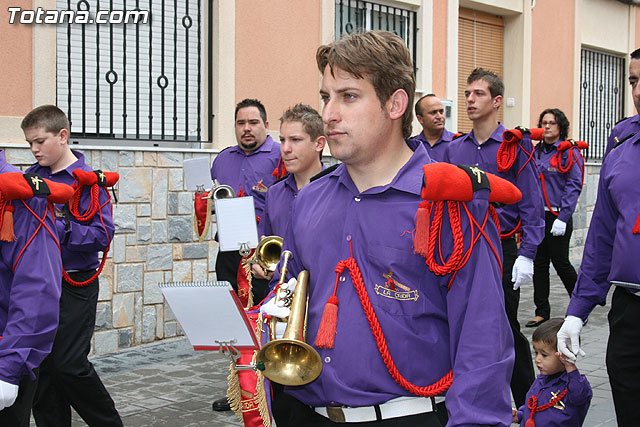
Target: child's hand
<point x="515" y="415"/>
<point x="569" y="365"/>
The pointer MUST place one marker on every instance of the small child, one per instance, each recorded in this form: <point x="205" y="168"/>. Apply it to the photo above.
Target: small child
<point x="559" y="396"/>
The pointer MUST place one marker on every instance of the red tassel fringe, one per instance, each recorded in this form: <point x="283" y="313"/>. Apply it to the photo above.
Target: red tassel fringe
<point x="6" y="232"/>
<point x="328" y="324"/>
<point x="421" y="239"/>
<point x="636" y="227"/>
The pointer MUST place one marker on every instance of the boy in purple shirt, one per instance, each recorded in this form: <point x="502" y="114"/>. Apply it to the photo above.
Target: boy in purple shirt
<point x="434" y="136"/>
<point x="560" y="396"/>
<point x="67" y="377"/>
<point x="480" y="148"/>
<point x="30" y="275"/>
<point x="364" y="213"/>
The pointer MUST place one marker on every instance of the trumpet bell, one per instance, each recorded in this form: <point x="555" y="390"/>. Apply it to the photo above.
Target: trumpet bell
<point x="222" y="191"/>
<point x="268" y="252"/>
<point x="290" y="362"/>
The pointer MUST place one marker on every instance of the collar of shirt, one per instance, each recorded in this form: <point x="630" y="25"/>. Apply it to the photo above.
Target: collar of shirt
<point x="496" y="136"/>
<point x="267" y="146"/>
<point x="408" y="178"/>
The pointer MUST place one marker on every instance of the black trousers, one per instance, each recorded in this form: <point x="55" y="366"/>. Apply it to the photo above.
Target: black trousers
<point x="227" y="264"/>
<point x="553" y="249"/>
<point x="523" y="374"/>
<point x="623" y="356"/>
<point x="303" y="415"/>
<point x="67" y="378"/>
<point x="19" y="414"/>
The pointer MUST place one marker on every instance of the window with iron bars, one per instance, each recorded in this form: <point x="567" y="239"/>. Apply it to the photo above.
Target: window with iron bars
<point x="137" y="84"/>
<point x="352" y="16"/>
<point x="602" y="86"/>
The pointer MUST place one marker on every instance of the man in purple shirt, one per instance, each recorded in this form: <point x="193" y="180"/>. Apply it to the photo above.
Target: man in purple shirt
<point x="364" y="213"/>
<point x="611" y="258"/>
<point x="434" y="136"/>
<point x="248" y="168"/>
<point x="480" y="148"/>
<point x="631" y="125"/>
<point x="67" y="377"/>
<point x="29" y="302"/>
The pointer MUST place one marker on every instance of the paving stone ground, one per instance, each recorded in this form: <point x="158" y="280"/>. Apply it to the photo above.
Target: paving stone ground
<point x="169" y="384"/>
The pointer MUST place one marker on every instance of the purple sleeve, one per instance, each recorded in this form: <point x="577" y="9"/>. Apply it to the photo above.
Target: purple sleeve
<point x="592" y="285"/>
<point x="531" y="206"/>
<point x="264" y="227"/>
<point x="572" y="187"/>
<point x="481" y="340"/>
<point x="32" y="305"/>
<point x="94" y="235"/>
<point x="578" y="389"/>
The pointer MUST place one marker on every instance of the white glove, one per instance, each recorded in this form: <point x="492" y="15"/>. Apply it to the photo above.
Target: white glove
<point x="570" y="333"/>
<point x="8" y="394"/>
<point x="522" y="271"/>
<point x="277" y="308"/>
<point x="558" y="228"/>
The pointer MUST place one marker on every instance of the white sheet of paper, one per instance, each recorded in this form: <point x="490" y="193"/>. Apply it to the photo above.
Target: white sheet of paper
<point x="209" y="312"/>
<point x="236" y="220"/>
<point x="197" y="173"/>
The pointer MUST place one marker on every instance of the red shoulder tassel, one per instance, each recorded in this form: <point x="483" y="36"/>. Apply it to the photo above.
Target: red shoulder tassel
<point x="6" y="232"/>
<point x="421" y="239"/>
<point x="328" y="324"/>
<point x="530" y="423"/>
<point x="636" y="227"/>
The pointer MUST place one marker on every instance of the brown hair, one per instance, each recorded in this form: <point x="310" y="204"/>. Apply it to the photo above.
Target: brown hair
<point x="548" y="332"/>
<point x="308" y="116"/>
<point x="49" y="117"/>
<point x="496" y="87"/>
<point x="381" y="56"/>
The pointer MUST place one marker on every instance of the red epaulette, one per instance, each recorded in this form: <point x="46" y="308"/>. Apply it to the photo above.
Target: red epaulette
<point x="457" y="135"/>
<point x="452" y="185"/>
<point x="19" y="186"/>
<point x="511" y="141"/>
<point x="565" y="145"/>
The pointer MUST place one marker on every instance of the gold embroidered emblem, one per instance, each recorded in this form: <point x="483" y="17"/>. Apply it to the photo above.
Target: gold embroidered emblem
<point x="477" y="172"/>
<point x="390" y="289"/>
<point x="260" y="187"/>
<point x="560" y="404"/>
<point x="36" y="182"/>
<point x="59" y="212"/>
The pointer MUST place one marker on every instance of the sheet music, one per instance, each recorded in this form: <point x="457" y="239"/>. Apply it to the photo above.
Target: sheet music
<point x="197" y="173"/>
<point x="209" y="312"/>
<point x="236" y="220"/>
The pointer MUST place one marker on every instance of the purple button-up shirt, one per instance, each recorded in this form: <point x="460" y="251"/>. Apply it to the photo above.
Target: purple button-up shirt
<point x="530" y="209"/>
<point x="438" y="150"/>
<point x="574" y="405"/>
<point x="562" y="188"/>
<point x="251" y="173"/>
<point x="30" y="293"/>
<point x="625" y="128"/>
<point x="429" y="331"/>
<point x="80" y="241"/>
<point x="611" y="249"/>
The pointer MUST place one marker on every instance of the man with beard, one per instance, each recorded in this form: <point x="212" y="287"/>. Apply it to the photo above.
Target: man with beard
<point x="248" y="168"/>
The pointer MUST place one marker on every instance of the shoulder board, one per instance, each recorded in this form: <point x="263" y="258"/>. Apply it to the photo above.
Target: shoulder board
<point x="281" y="179"/>
<point x="102" y="179"/>
<point x="619" y="142"/>
<point x="621" y="120"/>
<point x="458" y="135"/>
<point x="18" y="186"/>
<point x="324" y="172"/>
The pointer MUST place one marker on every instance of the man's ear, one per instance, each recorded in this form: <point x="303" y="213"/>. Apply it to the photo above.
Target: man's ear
<point x="64" y="135"/>
<point x="319" y="143"/>
<point x="397" y="104"/>
<point x="497" y="101"/>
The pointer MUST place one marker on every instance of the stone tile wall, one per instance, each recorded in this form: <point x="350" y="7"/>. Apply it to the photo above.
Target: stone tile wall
<point x="155" y="240"/>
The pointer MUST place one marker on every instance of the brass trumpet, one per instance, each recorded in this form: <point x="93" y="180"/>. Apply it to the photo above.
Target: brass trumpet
<point x="267" y="253"/>
<point x="222" y="191"/>
<point x="290" y="360"/>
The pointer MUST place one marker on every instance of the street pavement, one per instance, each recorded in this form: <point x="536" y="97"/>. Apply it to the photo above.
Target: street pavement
<point x="169" y="384"/>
